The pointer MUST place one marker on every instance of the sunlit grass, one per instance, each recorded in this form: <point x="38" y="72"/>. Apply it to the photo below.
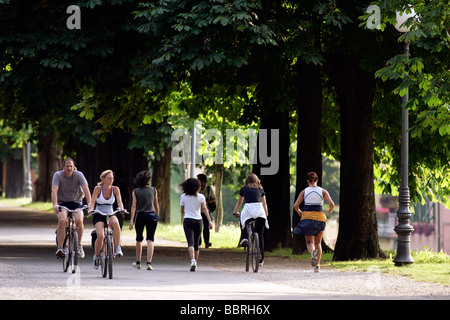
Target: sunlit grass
<point x="26" y="203"/>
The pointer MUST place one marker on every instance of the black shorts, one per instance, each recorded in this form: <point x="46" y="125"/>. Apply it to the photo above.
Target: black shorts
<point x="70" y="205"/>
<point x="99" y="218"/>
<point x="149" y="220"/>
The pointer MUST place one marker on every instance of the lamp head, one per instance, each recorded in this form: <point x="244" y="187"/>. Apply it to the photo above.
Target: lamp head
<point x="402" y="17"/>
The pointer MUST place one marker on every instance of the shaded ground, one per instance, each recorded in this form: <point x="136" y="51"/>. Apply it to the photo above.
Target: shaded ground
<point x="37" y="227"/>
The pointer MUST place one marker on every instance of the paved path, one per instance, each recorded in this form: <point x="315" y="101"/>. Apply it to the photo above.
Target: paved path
<point x="29" y="270"/>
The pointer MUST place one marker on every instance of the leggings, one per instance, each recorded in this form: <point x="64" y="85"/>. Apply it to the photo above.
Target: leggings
<point x="192" y="230"/>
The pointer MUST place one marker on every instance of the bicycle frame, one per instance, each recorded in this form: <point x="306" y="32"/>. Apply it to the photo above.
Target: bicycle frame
<point x="106" y="258"/>
<point x="70" y="243"/>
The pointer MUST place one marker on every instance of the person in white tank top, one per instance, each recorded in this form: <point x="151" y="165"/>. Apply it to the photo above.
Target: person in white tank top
<point x="105" y="194"/>
<point x="313" y="220"/>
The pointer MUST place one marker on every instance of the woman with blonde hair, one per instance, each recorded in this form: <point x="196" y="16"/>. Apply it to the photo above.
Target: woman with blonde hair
<point x="105" y="194"/>
<point x="255" y="207"/>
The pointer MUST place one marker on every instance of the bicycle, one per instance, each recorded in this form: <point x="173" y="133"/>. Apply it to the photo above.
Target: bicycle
<point x="252" y="249"/>
<point x="70" y="244"/>
<point x="106" y="260"/>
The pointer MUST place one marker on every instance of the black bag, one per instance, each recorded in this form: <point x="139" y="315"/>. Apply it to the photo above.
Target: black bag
<point x="93" y="238"/>
<point x="212" y="206"/>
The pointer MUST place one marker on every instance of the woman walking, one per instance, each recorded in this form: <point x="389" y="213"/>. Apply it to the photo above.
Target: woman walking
<point x="146" y="208"/>
<point x="313" y="220"/>
<point x="255" y="207"/>
<point x="192" y="203"/>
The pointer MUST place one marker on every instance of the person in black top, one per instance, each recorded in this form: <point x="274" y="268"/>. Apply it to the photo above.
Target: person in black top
<point x="210" y="197"/>
<point x="146" y="208"/>
<point x="255" y="207"/>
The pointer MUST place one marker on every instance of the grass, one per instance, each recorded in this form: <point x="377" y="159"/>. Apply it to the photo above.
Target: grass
<point x="428" y="266"/>
<point x="26" y="203"/>
<point x="228" y="236"/>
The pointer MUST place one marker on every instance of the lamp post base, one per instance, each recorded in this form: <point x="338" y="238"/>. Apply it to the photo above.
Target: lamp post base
<point x="403" y="229"/>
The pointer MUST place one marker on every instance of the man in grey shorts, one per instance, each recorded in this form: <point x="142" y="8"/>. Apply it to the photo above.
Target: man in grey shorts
<point x="68" y="186"/>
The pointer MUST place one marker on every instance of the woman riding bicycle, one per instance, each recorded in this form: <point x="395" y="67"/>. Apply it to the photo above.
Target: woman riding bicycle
<point x="105" y="194"/>
<point x="255" y="207"/>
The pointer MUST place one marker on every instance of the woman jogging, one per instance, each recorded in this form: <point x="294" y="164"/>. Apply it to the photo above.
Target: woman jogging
<point x="313" y="220"/>
<point x="105" y="194"/>
<point x="255" y="207"/>
<point x="192" y="203"/>
<point x="146" y="208"/>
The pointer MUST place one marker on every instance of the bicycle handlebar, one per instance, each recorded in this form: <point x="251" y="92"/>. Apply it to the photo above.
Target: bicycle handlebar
<point x="77" y="209"/>
<point x="107" y="214"/>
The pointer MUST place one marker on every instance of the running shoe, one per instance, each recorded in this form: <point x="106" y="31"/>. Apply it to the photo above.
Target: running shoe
<point x="314" y="255"/>
<point x="60" y="253"/>
<point x="243" y="243"/>
<point x="149" y="266"/>
<point x="137" y="265"/>
<point x="95" y="262"/>
<point x="80" y="252"/>
<point x="317" y="269"/>
<point x="193" y="265"/>
<point x="118" y="252"/>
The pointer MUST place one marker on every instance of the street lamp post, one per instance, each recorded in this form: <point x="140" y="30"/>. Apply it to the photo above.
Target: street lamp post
<point x="404" y="228"/>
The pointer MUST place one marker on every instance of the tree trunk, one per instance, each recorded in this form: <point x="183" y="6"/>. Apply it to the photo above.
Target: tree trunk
<point x="161" y="180"/>
<point x="277" y="184"/>
<point x="309" y="137"/>
<point x="49" y="161"/>
<point x="358" y="235"/>
<point x="14" y="178"/>
<point x="218" y="219"/>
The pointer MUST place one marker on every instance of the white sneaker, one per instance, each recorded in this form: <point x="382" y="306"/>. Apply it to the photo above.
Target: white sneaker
<point x="193" y="265"/>
<point x="118" y="252"/>
<point x="317" y="269"/>
<point x="80" y="252"/>
<point x="60" y="253"/>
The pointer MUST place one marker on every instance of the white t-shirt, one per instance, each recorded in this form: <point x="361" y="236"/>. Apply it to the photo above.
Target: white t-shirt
<point x="192" y="205"/>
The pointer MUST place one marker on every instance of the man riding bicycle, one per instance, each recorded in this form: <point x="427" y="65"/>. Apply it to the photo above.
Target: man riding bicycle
<point x="68" y="186"/>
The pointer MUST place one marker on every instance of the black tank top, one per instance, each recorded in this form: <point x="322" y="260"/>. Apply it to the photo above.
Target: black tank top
<point x="145" y="199"/>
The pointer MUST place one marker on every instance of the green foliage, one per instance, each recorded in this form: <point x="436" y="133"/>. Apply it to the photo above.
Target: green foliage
<point x="191" y="36"/>
<point x="424" y="75"/>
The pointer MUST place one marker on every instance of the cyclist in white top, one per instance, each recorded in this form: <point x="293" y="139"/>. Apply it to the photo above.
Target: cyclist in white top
<point x="105" y="194"/>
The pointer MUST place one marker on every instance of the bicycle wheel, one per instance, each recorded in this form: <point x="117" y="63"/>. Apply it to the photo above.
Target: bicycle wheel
<point x="74" y="251"/>
<point x="103" y="259"/>
<point x="110" y="255"/>
<point x="66" y="259"/>
<point x="248" y="251"/>
<point x="255" y="252"/>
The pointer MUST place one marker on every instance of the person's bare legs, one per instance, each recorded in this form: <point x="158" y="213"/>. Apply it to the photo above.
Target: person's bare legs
<point x="150" y="249"/>
<point x="318" y="246"/>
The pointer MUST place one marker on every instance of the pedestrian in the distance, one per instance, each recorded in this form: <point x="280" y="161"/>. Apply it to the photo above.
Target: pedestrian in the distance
<point x="313" y="222"/>
<point x="210" y="197"/>
<point x="192" y="203"/>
